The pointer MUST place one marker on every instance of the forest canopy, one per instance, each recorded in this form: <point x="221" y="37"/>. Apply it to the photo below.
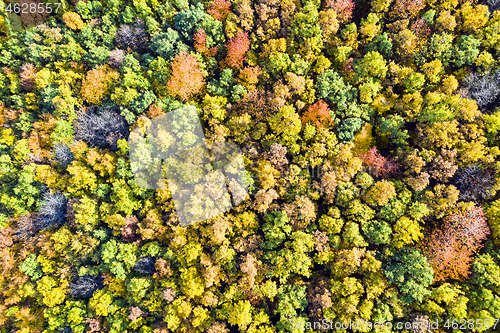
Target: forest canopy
<point x="370" y="136"/>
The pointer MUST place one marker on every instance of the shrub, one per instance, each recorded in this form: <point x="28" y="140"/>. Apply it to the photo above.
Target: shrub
<point x="145" y="265"/>
<point x="474" y="183"/>
<point x="85" y="286"/>
<point x="63" y="154"/>
<point x="101" y="129"/>
<point x="134" y="37"/>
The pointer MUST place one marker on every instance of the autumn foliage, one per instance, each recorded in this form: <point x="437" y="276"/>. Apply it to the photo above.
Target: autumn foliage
<point x="343" y="8"/>
<point x="236" y="50"/>
<point x="187" y="77"/>
<point x="200" y="44"/>
<point x="407" y="8"/>
<point x="318" y="114"/>
<point x="449" y="250"/>
<point x="97" y="84"/>
<point x="219" y="9"/>
<point x="378" y="164"/>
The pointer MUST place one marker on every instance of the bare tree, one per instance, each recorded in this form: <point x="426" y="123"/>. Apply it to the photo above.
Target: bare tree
<point x="101" y="129"/>
<point x="25" y="227"/>
<point x="52" y="212"/>
<point x="474" y="183"/>
<point x="145" y="265"/>
<point x="134" y="37"/>
<point x="485" y="89"/>
<point x="492" y="5"/>
<point x="116" y="58"/>
<point x="63" y="154"/>
<point x="85" y="286"/>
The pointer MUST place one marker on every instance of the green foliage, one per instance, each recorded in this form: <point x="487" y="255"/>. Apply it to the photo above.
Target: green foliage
<point x="409" y="271"/>
<point x="349" y="115"/>
<point x="377" y="232"/>
<point x="276" y="229"/>
<point x="31" y="267"/>
<point x="167" y="44"/>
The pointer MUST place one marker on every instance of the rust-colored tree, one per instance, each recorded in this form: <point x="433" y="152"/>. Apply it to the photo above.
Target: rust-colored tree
<point x="187" y="77"/>
<point x="403" y="9"/>
<point x="219" y="9"/>
<point x="343" y="8"/>
<point x="450" y="250"/>
<point x="318" y="114"/>
<point x="28" y="75"/>
<point x="236" y="50"/>
<point x="377" y="164"/>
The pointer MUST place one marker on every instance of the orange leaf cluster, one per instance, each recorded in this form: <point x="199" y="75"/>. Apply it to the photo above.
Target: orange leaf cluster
<point x="450" y="251"/>
<point x="200" y="38"/>
<point x="219" y="9"/>
<point x="318" y="114"/>
<point x="407" y="8"/>
<point x="187" y="77"/>
<point x="98" y="83"/>
<point x="250" y="75"/>
<point x="378" y="164"/>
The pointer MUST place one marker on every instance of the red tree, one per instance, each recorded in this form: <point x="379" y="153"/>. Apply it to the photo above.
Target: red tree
<point x="450" y="251"/>
<point x="318" y="114"/>
<point x="219" y="9"/>
<point x="378" y="164"/>
<point x="236" y="50"/>
<point x="343" y="8"/>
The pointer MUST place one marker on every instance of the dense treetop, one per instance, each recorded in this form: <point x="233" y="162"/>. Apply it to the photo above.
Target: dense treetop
<point x="370" y="132"/>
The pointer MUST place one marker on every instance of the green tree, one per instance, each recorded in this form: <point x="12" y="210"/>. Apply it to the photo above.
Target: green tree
<point x="409" y="271"/>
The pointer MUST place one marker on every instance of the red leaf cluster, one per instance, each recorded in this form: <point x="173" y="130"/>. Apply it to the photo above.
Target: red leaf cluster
<point x="219" y="9"/>
<point x="450" y="250"/>
<point x="343" y="8"/>
<point x="377" y="164"/>
<point x="421" y="28"/>
<point x="236" y="50"/>
<point x="318" y="114"/>
<point x="200" y="38"/>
